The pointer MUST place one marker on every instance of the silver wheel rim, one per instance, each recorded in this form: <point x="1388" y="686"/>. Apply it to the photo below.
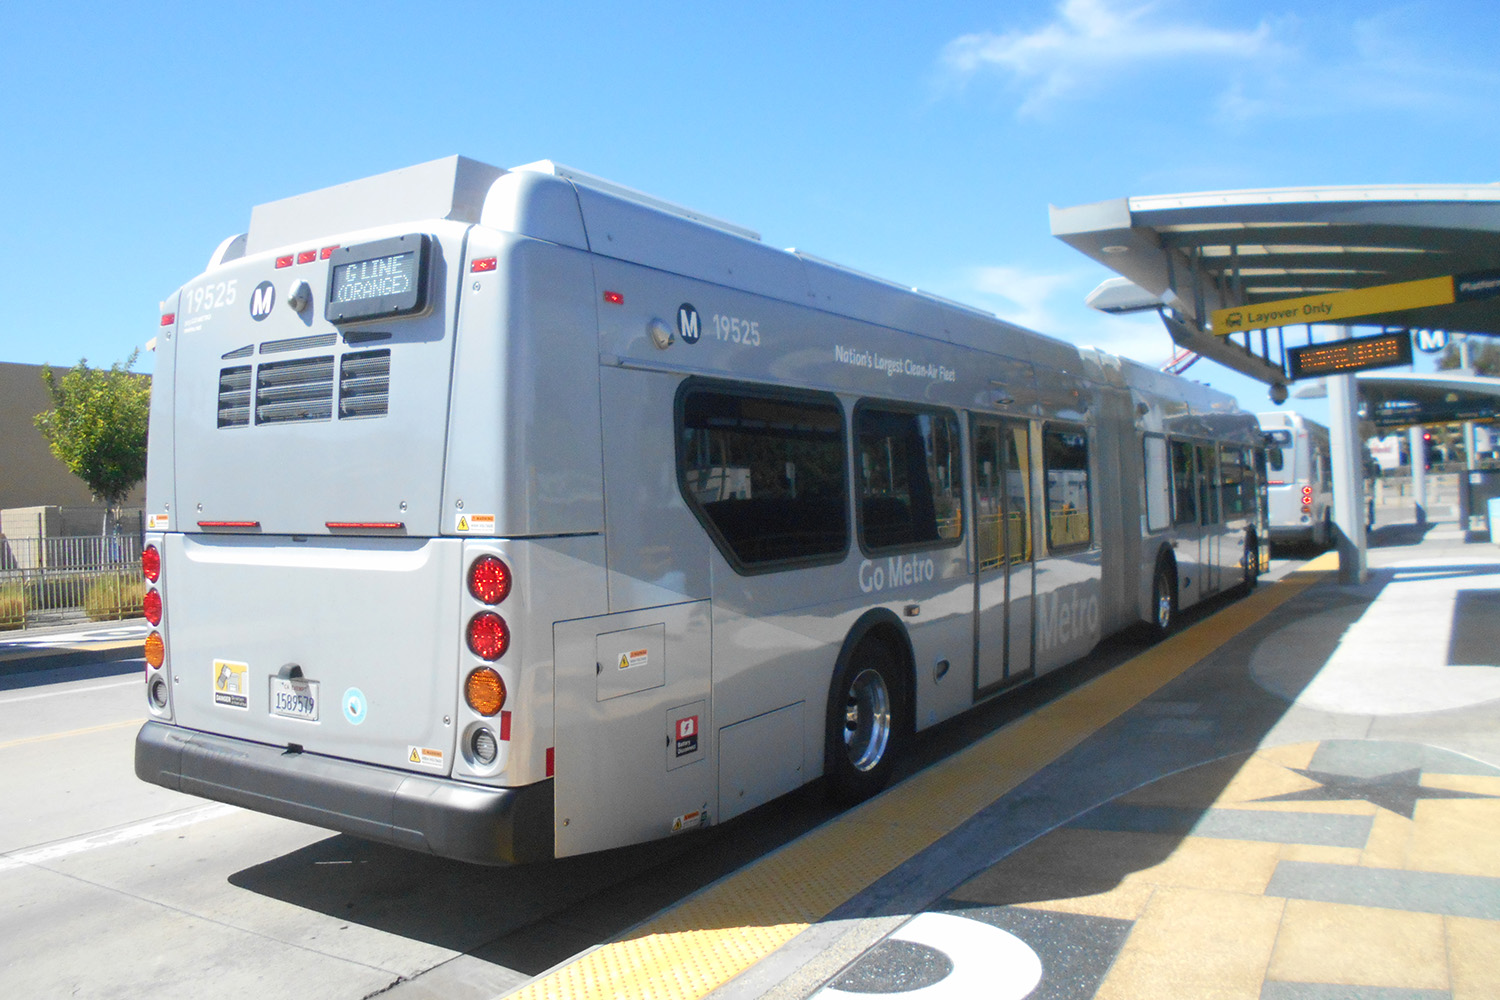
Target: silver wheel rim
<point x="867" y="720"/>
<point x="1163" y="604"/>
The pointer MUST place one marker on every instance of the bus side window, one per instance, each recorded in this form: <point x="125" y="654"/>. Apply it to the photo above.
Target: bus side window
<point x="1208" y="483"/>
<point x="1184" y="493"/>
<point x="1158" y="483"/>
<point x="765" y="473"/>
<point x="1065" y="459"/>
<point x="910" y="485"/>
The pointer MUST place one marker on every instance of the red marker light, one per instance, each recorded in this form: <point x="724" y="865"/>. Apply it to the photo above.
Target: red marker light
<point x="167" y="319"/>
<point x="151" y="563"/>
<point x="307" y="256"/>
<point x="284" y="261"/>
<point x="489" y="579"/>
<point x="327" y="252"/>
<point x="488" y="635"/>
<point x="614" y="298"/>
<point x="151" y="606"/>
<point x="483" y="264"/>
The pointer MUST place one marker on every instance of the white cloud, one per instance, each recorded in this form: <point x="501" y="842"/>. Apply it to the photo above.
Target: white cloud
<point x="1053" y="304"/>
<point x="1314" y="64"/>
<point x="1092" y="43"/>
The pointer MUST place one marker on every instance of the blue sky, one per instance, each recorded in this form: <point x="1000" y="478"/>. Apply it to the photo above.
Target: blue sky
<point x="920" y="142"/>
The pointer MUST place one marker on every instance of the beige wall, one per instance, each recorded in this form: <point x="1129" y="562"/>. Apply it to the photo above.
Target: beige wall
<point x="29" y="475"/>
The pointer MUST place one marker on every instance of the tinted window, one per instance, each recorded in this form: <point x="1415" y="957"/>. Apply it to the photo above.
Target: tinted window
<point x="910" y="486"/>
<point x="1065" y="459"/>
<point x="1184" y="495"/>
<point x="766" y="473"/>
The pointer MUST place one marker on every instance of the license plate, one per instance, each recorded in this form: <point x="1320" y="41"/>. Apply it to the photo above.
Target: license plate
<point x="294" y="698"/>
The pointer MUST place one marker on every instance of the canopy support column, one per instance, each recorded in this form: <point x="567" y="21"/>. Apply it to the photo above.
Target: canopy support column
<point x="1348" y="475"/>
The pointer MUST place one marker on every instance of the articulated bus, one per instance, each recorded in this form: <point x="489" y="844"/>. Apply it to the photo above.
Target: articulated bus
<point x="1299" y="479"/>
<point x="512" y="514"/>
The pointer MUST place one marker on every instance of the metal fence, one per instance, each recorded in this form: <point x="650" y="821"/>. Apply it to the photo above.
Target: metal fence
<point x="54" y="581"/>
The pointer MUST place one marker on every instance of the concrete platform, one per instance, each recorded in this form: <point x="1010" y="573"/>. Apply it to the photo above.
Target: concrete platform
<point x="1296" y="798"/>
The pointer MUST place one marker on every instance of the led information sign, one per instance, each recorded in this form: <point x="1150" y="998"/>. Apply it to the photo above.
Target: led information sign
<point x="1384" y="350"/>
<point x="379" y="279"/>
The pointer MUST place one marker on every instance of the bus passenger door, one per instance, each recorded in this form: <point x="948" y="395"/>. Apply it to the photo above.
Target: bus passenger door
<point x="1004" y="572"/>
<point x="1211" y="537"/>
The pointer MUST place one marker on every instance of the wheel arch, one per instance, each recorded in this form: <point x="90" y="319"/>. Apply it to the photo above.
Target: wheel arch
<point x="881" y="625"/>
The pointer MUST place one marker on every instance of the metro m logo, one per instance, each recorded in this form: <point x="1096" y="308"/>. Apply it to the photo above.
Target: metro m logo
<point x="261" y="300"/>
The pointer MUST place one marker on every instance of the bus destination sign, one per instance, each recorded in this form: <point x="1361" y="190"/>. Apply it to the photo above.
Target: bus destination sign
<point x="375" y="280"/>
<point x="1341" y="357"/>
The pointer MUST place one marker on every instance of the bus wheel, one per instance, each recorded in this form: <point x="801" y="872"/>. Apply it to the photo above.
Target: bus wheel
<point x="1252" y="564"/>
<point x="1163" y="600"/>
<point x="863" y="720"/>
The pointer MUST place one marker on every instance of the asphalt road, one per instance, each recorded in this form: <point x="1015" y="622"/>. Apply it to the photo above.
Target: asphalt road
<point x="111" y="887"/>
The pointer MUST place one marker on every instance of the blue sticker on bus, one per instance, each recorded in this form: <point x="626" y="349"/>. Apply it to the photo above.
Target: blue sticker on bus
<point x="354" y="706"/>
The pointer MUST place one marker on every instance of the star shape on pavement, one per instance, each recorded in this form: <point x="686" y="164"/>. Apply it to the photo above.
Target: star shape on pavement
<point x="1398" y="791"/>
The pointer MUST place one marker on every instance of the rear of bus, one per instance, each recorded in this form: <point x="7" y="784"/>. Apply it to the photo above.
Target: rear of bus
<point x="350" y="594"/>
<point x="1298" y="495"/>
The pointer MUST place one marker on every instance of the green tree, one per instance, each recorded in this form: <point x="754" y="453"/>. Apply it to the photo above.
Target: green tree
<point x="1484" y="355"/>
<point x="97" y="426"/>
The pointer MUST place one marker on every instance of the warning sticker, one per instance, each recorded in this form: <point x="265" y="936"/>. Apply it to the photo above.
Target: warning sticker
<point x="634" y="658"/>
<point x="158" y="522"/>
<point x="687" y="821"/>
<point x="232" y="684"/>
<point x="424" y="757"/>
<point x="475" y="524"/>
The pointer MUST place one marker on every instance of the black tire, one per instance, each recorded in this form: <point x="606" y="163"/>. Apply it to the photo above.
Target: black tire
<point x="1163" y="599"/>
<point x="864" y="723"/>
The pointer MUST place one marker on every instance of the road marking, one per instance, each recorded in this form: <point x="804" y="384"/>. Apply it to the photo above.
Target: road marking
<point x="110" y="838"/>
<point x="56" y="694"/>
<point x="72" y="732"/>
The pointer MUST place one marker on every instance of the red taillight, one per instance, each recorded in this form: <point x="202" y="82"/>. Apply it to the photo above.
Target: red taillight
<point x="167" y="319"/>
<point x="489" y="636"/>
<point x="151" y="563"/>
<point x="614" y="298"/>
<point x="1307" y="494"/>
<point x="151" y="606"/>
<point x="489" y="580"/>
<point x="483" y="264"/>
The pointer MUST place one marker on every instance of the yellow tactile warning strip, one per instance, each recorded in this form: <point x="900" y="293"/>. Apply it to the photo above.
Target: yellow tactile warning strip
<point x="1340" y="867"/>
<point x="699" y="945"/>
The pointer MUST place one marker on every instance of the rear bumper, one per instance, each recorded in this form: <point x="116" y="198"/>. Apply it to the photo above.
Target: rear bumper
<point x="488" y="826"/>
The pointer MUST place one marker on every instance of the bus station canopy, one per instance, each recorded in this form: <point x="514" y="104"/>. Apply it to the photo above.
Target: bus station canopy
<point x="1394" y="400"/>
<point x="1189" y="255"/>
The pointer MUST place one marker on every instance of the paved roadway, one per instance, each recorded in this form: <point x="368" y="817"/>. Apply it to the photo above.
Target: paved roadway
<point x="111" y="887"/>
<point x="1289" y="806"/>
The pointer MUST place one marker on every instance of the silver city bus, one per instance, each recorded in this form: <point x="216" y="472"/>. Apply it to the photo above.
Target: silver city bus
<point x="1299" y="479"/>
<point x="512" y="514"/>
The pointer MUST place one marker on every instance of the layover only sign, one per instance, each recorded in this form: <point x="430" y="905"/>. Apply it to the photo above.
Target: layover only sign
<point x="1372" y="301"/>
